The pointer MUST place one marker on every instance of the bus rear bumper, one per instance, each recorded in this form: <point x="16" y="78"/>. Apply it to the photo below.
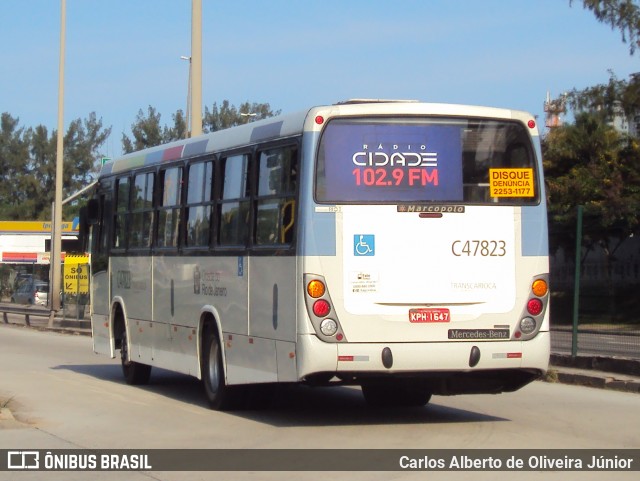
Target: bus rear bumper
<point x="447" y="368"/>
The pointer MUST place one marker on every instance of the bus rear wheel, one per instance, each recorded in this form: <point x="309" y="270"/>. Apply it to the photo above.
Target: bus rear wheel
<point x="219" y="395"/>
<point x="135" y="373"/>
<point x="395" y="394"/>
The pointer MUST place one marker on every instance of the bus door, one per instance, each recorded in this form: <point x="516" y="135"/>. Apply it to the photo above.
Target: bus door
<point x="100" y="289"/>
<point x="272" y="267"/>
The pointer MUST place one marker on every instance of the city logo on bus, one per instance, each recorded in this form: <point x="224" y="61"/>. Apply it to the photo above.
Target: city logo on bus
<point x="123" y="279"/>
<point x="364" y="245"/>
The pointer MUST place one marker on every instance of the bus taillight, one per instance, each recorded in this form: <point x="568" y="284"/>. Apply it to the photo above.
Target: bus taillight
<point x="539" y="287"/>
<point x="534" y="306"/>
<point x="316" y="288"/>
<point x="319" y="306"/>
<point x="329" y="327"/>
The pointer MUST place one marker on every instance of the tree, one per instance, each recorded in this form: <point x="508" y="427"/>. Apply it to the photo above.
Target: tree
<point x="148" y="132"/>
<point x="621" y="14"/>
<point x="227" y="115"/>
<point x="607" y="100"/>
<point x="14" y="152"/>
<point x="588" y="163"/>
<point x="28" y="160"/>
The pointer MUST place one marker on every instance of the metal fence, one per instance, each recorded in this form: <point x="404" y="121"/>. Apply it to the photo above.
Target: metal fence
<point x="606" y="312"/>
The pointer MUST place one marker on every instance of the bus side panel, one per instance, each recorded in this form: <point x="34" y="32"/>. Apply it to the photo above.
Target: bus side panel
<point x="176" y="315"/>
<point x="100" y="315"/>
<point x="176" y="348"/>
<point x="131" y="280"/>
<point x="272" y="297"/>
<point x="250" y="359"/>
<point x="222" y="282"/>
<point x="286" y="357"/>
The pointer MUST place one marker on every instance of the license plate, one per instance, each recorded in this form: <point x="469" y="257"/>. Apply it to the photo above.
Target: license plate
<point x="429" y="315"/>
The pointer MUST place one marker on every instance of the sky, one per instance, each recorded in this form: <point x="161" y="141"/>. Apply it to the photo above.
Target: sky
<point x="124" y="55"/>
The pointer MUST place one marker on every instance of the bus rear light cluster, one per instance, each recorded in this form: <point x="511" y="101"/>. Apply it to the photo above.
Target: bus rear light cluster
<point x="319" y="307"/>
<point x="531" y="319"/>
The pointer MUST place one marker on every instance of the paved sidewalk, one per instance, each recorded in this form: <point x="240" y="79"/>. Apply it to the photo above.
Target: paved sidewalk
<point x="602" y="372"/>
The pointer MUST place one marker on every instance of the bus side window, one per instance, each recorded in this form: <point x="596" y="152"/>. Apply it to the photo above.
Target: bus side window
<point x="233" y="214"/>
<point x="169" y="209"/>
<point x="142" y="211"/>
<point x="275" y="203"/>
<point x="199" y="198"/>
<point x="121" y="217"/>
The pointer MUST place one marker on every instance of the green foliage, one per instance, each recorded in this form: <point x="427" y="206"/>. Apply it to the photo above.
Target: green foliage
<point x="588" y="163"/>
<point x="605" y="100"/>
<point x="227" y="115"/>
<point x="28" y="164"/>
<point x="147" y="131"/>
<point x="623" y="15"/>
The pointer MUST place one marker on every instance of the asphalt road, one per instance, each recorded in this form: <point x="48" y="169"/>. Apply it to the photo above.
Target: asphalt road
<point x="65" y="397"/>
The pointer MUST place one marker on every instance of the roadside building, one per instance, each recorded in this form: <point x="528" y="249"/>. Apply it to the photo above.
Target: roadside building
<point x="25" y="251"/>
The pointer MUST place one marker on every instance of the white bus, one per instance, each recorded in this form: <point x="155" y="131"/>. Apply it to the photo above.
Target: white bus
<point x="395" y="245"/>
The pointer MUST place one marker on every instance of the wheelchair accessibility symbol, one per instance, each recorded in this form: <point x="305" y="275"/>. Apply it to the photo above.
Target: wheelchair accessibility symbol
<point x="364" y="245"/>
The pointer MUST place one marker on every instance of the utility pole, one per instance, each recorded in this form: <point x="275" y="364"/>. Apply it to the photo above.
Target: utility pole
<point x="56" y="244"/>
<point x="187" y="117"/>
<point x="196" y="67"/>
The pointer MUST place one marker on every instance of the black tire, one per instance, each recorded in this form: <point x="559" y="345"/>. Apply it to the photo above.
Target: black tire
<point x="395" y="394"/>
<point x="219" y="395"/>
<point x="135" y="373"/>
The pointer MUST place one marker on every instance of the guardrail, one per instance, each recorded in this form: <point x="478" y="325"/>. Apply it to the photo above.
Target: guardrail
<point x="26" y="311"/>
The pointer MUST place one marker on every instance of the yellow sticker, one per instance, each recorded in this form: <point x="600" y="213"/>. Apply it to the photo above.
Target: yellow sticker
<point x="511" y="183"/>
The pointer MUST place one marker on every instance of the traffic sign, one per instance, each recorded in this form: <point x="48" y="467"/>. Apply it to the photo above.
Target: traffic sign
<point x="76" y="274"/>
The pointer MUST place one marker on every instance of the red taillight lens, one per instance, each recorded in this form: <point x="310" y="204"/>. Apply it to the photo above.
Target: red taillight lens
<point x="534" y="306"/>
<point x="321" y="308"/>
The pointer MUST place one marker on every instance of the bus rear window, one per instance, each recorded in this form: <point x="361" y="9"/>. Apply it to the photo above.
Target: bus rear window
<point x="385" y="160"/>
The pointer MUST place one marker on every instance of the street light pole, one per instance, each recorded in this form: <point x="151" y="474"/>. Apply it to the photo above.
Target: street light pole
<point x="56" y="247"/>
<point x="196" y="67"/>
<point x="187" y="118"/>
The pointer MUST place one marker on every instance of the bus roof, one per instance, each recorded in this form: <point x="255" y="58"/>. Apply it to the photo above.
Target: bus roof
<point x="288" y="125"/>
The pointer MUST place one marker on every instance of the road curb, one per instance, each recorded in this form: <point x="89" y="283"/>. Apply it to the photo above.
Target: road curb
<point x="601" y="382"/>
<point x="611" y="364"/>
<point x="615" y="373"/>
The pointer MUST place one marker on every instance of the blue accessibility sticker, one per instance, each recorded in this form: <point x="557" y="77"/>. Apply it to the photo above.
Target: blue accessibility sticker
<point x="364" y="245"/>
